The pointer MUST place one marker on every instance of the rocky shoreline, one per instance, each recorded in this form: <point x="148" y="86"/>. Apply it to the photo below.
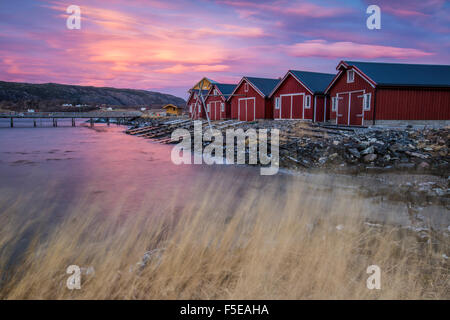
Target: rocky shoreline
<point x="419" y="158"/>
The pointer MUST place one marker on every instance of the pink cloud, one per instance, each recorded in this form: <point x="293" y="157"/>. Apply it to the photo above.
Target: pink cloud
<point x="180" y="68"/>
<point x="347" y="49"/>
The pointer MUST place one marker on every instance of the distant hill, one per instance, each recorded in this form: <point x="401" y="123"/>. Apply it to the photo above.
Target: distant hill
<point x="50" y="96"/>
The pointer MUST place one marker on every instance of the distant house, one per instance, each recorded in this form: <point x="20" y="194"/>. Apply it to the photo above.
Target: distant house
<point x="30" y="110"/>
<point x="67" y="105"/>
<point x="143" y="109"/>
<point x="109" y="109"/>
<point x="172" y="109"/>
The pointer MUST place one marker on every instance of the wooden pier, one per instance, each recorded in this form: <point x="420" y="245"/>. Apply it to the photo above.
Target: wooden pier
<point x="162" y="132"/>
<point x="118" y="116"/>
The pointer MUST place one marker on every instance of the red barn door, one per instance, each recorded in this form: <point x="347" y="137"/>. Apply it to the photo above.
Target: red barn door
<point x="297" y="107"/>
<point x="342" y="109"/>
<point x="285" y="110"/>
<point x="242" y="109"/>
<point x="356" y="108"/>
<point x="251" y="109"/>
<point x="218" y="111"/>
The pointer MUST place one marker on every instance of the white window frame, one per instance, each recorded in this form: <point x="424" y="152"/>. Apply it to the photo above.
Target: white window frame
<point x="277" y="103"/>
<point x="222" y="107"/>
<point x="246" y="87"/>
<point x="307" y="103"/>
<point x="215" y="92"/>
<point x="334" y="104"/>
<point x="366" y="101"/>
<point x="350" y="72"/>
<point x="208" y="106"/>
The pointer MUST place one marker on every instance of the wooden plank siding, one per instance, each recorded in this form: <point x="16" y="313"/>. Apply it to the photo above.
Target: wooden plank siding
<point x="412" y="104"/>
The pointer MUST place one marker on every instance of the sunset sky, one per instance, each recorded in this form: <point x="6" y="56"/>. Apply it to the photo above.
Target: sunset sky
<point x="168" y="45"/>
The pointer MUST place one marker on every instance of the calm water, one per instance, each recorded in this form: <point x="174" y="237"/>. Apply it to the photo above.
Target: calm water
<point x="102" y="161"/>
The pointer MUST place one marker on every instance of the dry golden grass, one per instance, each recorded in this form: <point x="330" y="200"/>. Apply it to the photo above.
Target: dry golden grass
<point x="254" y="241"/>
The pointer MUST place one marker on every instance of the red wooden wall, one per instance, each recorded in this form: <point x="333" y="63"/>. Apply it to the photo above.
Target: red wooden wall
<point x="412" y="104"/>
<point x="197" y="108"/>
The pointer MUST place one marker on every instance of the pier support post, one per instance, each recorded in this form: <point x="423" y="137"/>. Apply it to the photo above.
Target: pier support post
<point x="107" y="121"/>
<point x="34" y="123"/>
<point x="56" y="122"/>
<point x="92" y="122"/>
<point x="73" y="122"/>
<point x="12" y="122"/>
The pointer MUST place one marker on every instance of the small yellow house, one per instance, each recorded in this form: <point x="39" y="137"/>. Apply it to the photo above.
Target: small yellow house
<point x="173" y="109"/>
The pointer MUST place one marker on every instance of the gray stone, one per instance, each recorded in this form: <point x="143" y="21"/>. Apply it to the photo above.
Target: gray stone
<point x="370" y="157"/>
<point x="423" y="165"/>
<point x="368" y="150"/>
<point x="354" y="152"/>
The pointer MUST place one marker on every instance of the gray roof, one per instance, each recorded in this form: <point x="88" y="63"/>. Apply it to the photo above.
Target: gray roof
<point x="263" y="84"/>
<point x="400" y="74"/>
<point x="225" y="89"/>
<point x="316" y="82"/>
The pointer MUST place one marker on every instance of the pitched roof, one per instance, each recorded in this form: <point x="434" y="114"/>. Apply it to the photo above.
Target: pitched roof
<point x="315" y="81"/>
<point x="263" y="84"/>
<point x="400" y="74"/>
<point x="225" y="89"/>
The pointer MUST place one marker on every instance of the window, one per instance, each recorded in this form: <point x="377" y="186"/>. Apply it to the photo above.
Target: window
<point x="350" y="76"/>
<point x="215" y="92"/>
<point x="246" y="87"/>
<point x="222" y="107"/>
<point x="190" y="108"/>
<point x="366" y="101"/>
<point x="208" y="106"/>
<point x="277" y="103"/>
<point x="307" y="101"/>
<point x="334" y="104"/>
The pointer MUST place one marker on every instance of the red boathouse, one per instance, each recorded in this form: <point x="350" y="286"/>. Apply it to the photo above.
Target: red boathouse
<point x="301" y="95"/>
<point x="369" y="93"/>
<point x="194" y="104"/>
<point x="250" y="99"/>
<point x="217" y="104"/>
